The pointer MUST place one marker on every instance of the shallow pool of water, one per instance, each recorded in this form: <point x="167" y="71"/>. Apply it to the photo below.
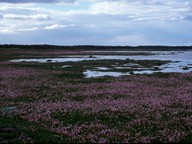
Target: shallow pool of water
<point x="181" y="62"/>
<point x="90" y="74"/>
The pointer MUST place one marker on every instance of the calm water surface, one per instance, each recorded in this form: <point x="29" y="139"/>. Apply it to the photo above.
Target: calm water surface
<point x="181" y="61"/>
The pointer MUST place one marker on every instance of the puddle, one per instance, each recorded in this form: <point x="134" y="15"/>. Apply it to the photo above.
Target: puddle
<point x="102" y="68"/>
<point x="130" y="65"/>
<point x="144" y="72"/>
<point x="180" y="67"/>
<point x="91" y="74"/>
<point x="119" y="67"/>
<point x="66" y="66"/>
<point x="8" y="110"/>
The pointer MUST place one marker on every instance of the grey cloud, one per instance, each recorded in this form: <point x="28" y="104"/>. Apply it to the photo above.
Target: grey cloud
<point x="37" y="1"/>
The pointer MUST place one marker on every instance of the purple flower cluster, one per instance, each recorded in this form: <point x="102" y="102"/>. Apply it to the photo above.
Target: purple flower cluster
<point x="127" y="109"/>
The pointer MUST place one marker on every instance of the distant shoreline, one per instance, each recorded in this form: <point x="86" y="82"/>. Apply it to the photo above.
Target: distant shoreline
<point x="94" y="47"/>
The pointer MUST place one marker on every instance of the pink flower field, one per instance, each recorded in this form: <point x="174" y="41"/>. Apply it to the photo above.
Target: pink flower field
<point x="128" y="109"/>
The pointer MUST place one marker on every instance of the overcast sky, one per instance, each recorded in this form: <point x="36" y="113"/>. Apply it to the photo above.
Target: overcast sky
<point x="96" y="22"/>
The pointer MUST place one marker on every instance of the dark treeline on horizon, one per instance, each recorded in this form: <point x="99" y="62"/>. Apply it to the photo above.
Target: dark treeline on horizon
<point x="93" y="47"/>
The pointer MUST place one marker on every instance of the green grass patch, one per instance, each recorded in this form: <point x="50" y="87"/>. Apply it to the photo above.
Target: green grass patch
<point x="78" y="98"/>
<point x="189" y="78"/>
<point x="74" y="117"/>
<point x="161" y="75"/>
<point x="17" y="130"/>
<point x="70" y="75"/>
<point x="24" y="99"/>
<point x="118" y="96"/>
<point x="111" y="119"/>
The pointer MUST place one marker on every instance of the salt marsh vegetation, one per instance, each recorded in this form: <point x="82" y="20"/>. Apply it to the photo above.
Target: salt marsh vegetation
<point x="133" y="98"/>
